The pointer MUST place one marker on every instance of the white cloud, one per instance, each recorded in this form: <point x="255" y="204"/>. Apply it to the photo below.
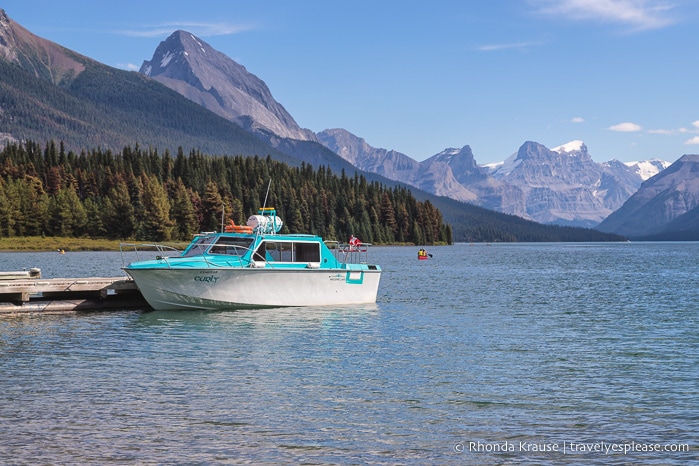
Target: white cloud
<point x="694" y="140"/>
<point x="199" y="29"/>
<point x="626" y="128"/>
<point x="640" y="14"/>
<point x="496" y="47"/>
<point x="682" y="130"/>
<point x="577" y="120"/>
<point x="667" y="132"/>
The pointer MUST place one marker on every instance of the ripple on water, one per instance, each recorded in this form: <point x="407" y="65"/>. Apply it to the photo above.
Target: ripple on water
<point x="492" y="344"/>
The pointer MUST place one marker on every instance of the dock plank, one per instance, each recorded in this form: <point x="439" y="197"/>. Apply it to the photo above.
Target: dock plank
<point x="66" y="284"/>
<point x="68" y="295"/>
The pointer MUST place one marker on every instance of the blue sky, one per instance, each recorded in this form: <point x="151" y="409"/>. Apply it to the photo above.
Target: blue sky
<point x="419" y="77"/>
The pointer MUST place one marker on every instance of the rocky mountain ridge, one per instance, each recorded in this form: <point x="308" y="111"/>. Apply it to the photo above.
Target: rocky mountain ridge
<point x="668" y="202"/>
<point x="561" y="186"/>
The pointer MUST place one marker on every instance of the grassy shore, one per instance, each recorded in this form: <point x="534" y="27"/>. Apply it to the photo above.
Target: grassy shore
<point x="48" y="244"/>
<point x="41" y="243"/>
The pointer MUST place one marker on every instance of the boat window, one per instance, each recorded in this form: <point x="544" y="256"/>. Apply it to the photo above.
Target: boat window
<point x="287" y="251"/>
<point x="276" y="251"/>
<point x="198" y="246"/>
<point x="307" y="252"/>
<point x="231" y="246"/>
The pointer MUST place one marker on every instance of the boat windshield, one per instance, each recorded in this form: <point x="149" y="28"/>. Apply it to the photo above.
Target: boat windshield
<point x="198" y="246"/>
<point x="231" y="246"/>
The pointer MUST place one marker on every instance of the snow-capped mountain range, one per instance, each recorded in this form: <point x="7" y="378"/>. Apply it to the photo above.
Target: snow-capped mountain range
<point x="560" y="185"/>
<point x="645" y="169"/>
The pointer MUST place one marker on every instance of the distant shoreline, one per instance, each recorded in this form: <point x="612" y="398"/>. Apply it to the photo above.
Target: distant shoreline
<point x="54" y="244"/>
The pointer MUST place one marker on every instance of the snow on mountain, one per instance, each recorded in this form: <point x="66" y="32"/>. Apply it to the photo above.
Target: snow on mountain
<point x="448" y="154"/>
<point x="648" y="168"/>
<point x="500" y="169"/>
<point x="660" y="201"/>
<point x="572" y="146"/>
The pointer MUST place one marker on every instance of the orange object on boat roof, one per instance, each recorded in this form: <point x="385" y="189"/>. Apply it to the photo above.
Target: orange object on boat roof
<point x="233" y="228"/>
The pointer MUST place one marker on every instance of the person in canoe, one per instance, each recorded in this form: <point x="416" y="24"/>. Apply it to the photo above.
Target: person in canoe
<point x="422" y="254"/>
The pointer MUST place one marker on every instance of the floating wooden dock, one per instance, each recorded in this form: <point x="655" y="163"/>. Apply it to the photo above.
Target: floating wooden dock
<point x="60" y="295"/>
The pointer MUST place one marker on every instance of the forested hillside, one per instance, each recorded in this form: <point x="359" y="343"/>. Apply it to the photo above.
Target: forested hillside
<point x="143" y="195"/>
<point x="112" y="108"/>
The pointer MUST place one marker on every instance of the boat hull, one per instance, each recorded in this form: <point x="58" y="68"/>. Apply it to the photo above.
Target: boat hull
<point x="209" y="289"/>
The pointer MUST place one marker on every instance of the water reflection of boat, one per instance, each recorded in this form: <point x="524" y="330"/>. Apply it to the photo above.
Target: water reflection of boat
<point x="275" y="317"/>
<point x="256" y="268"/>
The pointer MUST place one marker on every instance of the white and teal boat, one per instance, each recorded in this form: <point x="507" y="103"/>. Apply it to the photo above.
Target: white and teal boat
<point x="255" y="266"/>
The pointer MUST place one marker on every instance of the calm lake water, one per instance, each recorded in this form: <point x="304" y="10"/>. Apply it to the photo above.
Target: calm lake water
<point x="486" y="354"/>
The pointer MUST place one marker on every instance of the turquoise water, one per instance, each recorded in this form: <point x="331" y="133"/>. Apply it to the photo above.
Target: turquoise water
<point x="482" y="355"/>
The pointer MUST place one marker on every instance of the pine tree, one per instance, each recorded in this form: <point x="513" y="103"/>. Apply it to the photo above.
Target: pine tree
<point x="67" y="215"/>
<point x="183" y="212"/>
<point x="157" y="225"/>
<point x="388" y="215"/>
<point x="95" y="213"/>
<point x="9" y="209"/>
<point x="33" y="205"/>
<point x="120" y="213"/>
<point x="211" y="204"/>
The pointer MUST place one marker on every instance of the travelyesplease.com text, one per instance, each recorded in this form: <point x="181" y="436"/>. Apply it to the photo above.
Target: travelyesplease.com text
<point x="606" y="448"/>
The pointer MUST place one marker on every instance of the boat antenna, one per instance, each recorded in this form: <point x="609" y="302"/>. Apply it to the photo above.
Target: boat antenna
<point x="268" y="185"/>
<point x="223" y="215"/>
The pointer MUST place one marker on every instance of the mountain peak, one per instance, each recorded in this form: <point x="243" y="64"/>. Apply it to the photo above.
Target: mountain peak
<point x="460" y="160"/>
<point x="533" y="150"/>
<point x="538" y="153"/>
<point x="190" y="66"/>
<point x="175" y="58"/>
<point x="451" y="152"/>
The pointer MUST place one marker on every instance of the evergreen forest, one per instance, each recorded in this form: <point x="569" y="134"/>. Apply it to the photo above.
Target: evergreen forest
<point x="142" y="195"/>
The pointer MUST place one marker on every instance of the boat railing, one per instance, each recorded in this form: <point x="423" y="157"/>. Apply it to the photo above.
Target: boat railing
<point x="131" y="252"/>
<point x="350" y="253"/>
<point x="136" y="252"/>
<point x="232" y="261"/>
